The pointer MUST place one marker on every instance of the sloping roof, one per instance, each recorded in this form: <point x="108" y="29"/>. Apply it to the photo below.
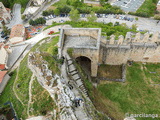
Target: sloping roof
<point x="1" y="44"/>
<point x="1" y="19"/>
<point x="2" y="74"/>
<point x="2" y="66"/>
<point x="17" y="31"/>
<point x="6" y="46"/>
<point x="8" y="9"/>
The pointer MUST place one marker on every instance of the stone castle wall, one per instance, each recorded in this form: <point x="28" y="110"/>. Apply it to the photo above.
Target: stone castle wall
<point x="140" y="49"/>
<point x="82" y="32"/>
<point x="132" y="47"/>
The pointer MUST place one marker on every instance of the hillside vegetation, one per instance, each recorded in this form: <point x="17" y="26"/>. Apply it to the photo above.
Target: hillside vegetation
<point x="147" y="9"/>
<point x="10" y="3"/>
<point x="108" y="29"/>
<point x="17" y="89"/>
<point x="139" y="94"/>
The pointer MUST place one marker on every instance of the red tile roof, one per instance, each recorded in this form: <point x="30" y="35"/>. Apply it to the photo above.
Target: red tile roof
<point x="8" y="9"/>
<point x="6" y="46"/>
<point x="17" y="31"/>
<point x="2" y="74"/>
<point x="2" y="66"/>
<point x="1" y="19"/>
<point x="1" y="44"/>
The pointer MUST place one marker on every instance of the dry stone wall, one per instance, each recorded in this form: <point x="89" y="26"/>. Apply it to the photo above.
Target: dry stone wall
<point x="60" y="93"/>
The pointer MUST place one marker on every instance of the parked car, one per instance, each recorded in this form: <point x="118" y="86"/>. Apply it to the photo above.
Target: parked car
<point x="120" y="17"/>
<point x="49" y="17"/>
<point x="103" y="15"/>
<point x="114" y="16"/>
<point x="2" y="32"/>
<point x="117" y="17"/>
<point x="3" y="36"/>
<point x="6" y="37"/>
<point x="61" y="21"/>
<point x="44" y="18"/>
<point x="128" y="19"/>
<point x="131" y="19"/>
<point x="83" y="15"/>
<point x="51" y="32"/>
<point x="125" y="18"/>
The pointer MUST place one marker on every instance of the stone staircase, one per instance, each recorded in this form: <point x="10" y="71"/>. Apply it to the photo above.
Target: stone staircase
<point x="73" y="72"/>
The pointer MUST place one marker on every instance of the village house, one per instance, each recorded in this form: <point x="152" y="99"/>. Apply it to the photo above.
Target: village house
<point x="1" y="23"/>
<point x="17" y="34"/>
<point x="4" y="51"/>
<point x="5" y="13"/>
<point x="158" y="6"/>
<point x="4" y="77"/>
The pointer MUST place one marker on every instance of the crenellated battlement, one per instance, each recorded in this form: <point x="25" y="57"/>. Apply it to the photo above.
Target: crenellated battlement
<point x="131" y="39"/>
<point x="88" y="42"/>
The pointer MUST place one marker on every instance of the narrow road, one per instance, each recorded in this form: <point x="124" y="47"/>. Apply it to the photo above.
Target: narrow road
<point x="16" y="16"/>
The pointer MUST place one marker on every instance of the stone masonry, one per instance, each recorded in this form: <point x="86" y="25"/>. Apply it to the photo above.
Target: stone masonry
<point x="89" y="43"/>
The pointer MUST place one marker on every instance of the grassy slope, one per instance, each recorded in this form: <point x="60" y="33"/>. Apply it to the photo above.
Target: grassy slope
<point x="24" y="76"/>
<point x="8" y="95"/>
<point x="148" y="7"/>
<point x="110" y="71"/>
<point x="51" y="50"/>
<point x="107" y="29"/>
<point x="41" y="100"/>
<point x="10" y="3"/>
<point x="136" y="95"/>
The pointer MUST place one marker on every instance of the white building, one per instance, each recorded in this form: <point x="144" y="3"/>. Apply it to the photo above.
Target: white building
<point x="158" y="6"/>
<point x="4" y="51"/>
<point x="5" y="13"/>
<point x="38" y="2"/>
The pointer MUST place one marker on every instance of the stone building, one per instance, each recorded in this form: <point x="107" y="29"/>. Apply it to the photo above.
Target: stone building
<point x="158" y="6"/>
<point x="17" y="34"/>
<point x="38" y="2"/>
<point x="5" y="13"/>
<point x="4" y="51"/>
<point x="89" y="43"/>
<point x="4" y="77"/>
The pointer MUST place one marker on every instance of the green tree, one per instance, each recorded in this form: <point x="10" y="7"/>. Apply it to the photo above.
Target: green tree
<point x="74" y="15"/>
<point x="31" y="22"/>
<point x="134" y="27"/>
<point x="6" y="30"/>
<point x="92" y="17"/>
<point x="56" y="12"/>
<point x="64" y="9"/>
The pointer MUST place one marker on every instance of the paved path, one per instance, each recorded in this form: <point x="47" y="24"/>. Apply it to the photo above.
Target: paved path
<point x="15" y="86"/>
<point x="30" y="94"/>
<point x="79" y="111"/>
<point x="16" y="53"/>
<point x="142" y="23"/>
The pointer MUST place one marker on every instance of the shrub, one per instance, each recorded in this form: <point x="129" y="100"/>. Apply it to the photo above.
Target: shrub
<point x="157" y="17"/>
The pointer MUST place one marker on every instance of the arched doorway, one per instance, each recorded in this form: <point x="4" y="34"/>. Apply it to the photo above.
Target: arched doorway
<point x="85" y="63"/>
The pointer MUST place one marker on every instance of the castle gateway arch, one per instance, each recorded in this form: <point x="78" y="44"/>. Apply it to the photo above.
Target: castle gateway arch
<point x="85" y="42"/>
